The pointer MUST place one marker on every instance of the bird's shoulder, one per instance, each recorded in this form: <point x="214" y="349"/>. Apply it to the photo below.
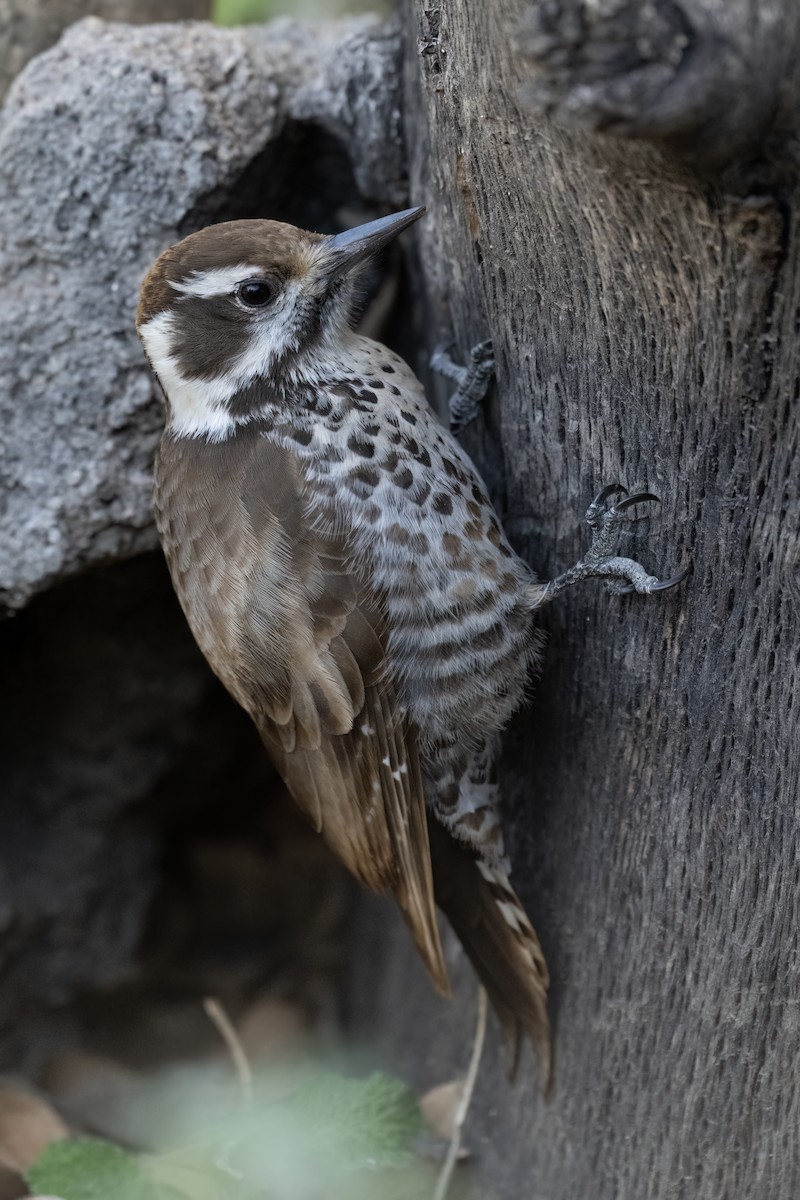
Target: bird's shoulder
<point x="269" y="584"/>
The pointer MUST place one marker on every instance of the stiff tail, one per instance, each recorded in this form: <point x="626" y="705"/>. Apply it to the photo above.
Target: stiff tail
<point x="500" y="942"/>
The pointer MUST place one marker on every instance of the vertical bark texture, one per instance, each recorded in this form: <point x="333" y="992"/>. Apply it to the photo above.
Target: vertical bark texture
<point x="644" y="318"/>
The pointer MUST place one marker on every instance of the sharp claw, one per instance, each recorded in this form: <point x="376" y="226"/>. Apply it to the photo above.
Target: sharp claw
<point x="673" y="582"/>
<point x="607" y="491"/>
<point x="639" y="498"/>
<point x="628" y="589"/>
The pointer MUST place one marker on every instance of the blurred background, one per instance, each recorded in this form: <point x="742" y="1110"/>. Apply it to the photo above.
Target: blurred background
<point x="239" y="12"/>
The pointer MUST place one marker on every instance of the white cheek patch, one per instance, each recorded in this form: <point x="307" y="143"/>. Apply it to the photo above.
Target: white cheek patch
<point x="196" y="405"/>
<point x="217" y="281"/>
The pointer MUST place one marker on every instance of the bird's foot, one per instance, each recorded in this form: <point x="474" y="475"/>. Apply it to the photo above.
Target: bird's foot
<point x="623" y="575"/>
<point x="472" y="382"/>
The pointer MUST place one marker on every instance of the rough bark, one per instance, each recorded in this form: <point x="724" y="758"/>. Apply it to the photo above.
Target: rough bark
<point x="705" y="79"/>
<point x="645" y="327"/>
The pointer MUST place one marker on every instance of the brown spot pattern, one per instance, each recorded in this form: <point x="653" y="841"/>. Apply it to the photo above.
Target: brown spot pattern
<point x="490" y="639"/>
<point x="361" y="481"/>
<point x="452" y="544"/>
<point x="398" y="535"/>
<point x="360" y="446"/>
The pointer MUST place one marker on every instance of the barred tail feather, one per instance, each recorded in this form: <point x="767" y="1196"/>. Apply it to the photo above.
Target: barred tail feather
<point x="500" y="942"/>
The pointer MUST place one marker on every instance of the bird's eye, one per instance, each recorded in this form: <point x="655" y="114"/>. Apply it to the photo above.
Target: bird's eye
<point x="255" y="293"/>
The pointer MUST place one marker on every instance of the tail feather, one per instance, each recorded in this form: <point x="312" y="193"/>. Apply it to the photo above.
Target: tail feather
<point x="500" y="942"/>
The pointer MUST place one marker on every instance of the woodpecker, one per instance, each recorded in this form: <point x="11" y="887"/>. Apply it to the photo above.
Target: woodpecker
<point x="344" y="573"/>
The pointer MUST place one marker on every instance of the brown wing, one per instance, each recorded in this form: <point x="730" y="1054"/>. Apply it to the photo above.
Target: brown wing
<point x="299" y="640"/>
<point x="349" y="757"/>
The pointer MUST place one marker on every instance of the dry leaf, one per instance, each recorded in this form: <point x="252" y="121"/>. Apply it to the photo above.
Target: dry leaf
<point x="12" y="1185"/>
<point x="271" y="1029"/>
<point x="91" y="1089"/>
<point x="27" y="1124"/>
<point x="439" y="1107"/>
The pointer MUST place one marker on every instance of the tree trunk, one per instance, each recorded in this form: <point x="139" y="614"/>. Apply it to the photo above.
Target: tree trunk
<point x="643" y="312"/>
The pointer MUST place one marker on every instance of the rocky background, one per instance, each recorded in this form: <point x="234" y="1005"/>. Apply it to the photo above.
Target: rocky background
<point x="612" y="195"/>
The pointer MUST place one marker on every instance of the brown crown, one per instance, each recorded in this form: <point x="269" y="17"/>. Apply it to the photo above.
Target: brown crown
<point x="277" y="248"/>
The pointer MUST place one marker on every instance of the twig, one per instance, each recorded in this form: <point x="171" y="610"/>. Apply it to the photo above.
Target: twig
<point x="445" y="1175"/>
<point x="217" y="1015"/>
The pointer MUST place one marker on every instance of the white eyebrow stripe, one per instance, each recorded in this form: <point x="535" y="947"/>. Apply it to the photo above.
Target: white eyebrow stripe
<point x="217" y="281"/>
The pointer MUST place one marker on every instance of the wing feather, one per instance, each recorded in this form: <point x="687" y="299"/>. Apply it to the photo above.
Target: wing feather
<point x="312" y="671"/>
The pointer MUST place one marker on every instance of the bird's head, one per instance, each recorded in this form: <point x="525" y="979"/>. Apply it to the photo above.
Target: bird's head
<point x="249" y="301"/>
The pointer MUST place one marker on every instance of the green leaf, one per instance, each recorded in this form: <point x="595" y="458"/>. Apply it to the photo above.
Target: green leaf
<point x="89" y="1170"/>
<point x="360" y="1122"/>
<point x="241" y="12"/>
<point x="245" y="12"/>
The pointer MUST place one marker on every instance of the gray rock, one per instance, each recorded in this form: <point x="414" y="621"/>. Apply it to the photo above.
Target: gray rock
<point x="112" y="145"/>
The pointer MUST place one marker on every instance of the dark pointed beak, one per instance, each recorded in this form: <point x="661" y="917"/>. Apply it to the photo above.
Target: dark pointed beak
<point x="346" y="250"/>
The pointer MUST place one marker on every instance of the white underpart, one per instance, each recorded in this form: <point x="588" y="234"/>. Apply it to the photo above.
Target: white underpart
<point x="218" y="281"/>
<point x="430" y="602"/>
<point x="476" y="796"/>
